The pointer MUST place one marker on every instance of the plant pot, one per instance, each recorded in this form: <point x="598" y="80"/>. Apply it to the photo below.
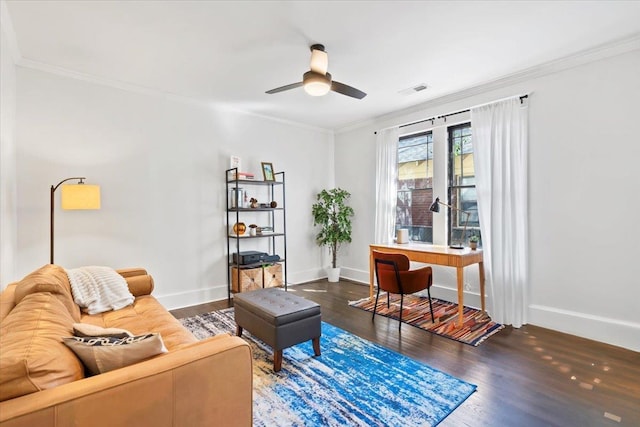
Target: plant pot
<point x="473" y="245"/>
<point x="333" y="274"/>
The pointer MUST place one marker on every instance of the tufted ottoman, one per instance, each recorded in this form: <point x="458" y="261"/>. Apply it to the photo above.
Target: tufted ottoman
<point x="278" y="318"/>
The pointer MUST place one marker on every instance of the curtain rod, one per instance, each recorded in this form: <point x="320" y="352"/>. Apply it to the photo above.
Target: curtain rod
<point x="444" y="116"/>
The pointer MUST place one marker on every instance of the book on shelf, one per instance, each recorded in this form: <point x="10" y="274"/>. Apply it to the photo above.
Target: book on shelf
<point x="242" y="175"/>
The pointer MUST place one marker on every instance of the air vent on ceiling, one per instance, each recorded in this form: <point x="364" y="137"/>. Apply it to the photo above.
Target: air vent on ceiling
<point x="414" y="89"/>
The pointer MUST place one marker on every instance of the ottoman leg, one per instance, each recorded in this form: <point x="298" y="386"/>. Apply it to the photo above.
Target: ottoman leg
<point x="239" y="330"/>
<point x="316" y="346"/>
<point x="277" y="360"/>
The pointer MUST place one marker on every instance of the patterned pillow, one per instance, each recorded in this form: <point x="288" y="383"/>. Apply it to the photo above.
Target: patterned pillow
<point x="104" y="354"/>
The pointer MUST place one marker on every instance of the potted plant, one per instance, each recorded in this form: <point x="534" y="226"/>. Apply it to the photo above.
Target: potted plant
<point x="333" y="216"/>
<point x="473" y="241"/>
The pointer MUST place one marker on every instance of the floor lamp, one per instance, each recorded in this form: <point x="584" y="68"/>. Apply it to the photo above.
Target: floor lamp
<point x="435" y="207"/>
<point x="74" y="196"/>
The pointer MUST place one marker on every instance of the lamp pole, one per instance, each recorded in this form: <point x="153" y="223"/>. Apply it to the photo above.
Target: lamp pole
<point x="53" y="190"/>
<point x="435" y="208"/>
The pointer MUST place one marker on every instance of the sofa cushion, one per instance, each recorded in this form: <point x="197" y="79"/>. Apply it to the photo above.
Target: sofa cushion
<point x="144" y="316"/>
<point x="104" y="354"/>
<point x="49" y="278"/>
<point x="33" y="357"/>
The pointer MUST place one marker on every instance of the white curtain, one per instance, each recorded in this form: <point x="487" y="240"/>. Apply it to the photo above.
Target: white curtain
<point x="386" y="184"/>
<point x="500" y="140"/>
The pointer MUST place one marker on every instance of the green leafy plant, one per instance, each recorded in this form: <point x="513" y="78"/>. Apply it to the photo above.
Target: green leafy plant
<point x="474" y="238"/>
<point x="333" y="216"/>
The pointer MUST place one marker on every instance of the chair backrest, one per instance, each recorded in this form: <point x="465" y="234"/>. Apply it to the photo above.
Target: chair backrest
<point x="393" y="274"/>
<point x="388" y="267"/>
<point x="401" y="260"/>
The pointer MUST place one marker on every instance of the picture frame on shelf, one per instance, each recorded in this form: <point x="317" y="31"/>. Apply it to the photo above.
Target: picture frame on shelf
<point x="267" y="171"/>
<point x="235" y="162"/>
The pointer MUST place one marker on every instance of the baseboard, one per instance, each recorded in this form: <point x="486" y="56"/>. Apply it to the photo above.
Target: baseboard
<point x="217" y="293"/>
<point x="611" y="331"/>
<point x="354" y="275"/>
<point x="471" y="299"/>
<point x="306" y="276"/>
<point x="194" y="297"/>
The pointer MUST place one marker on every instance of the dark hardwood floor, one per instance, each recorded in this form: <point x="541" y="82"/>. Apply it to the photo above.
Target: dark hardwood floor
<point x="526" y="377"/>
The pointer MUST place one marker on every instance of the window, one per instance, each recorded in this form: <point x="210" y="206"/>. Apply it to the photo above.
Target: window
<point x="415" y="186"/>
<point x="462" y="185"/>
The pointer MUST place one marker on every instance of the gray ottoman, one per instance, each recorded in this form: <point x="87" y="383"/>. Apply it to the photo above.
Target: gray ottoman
<point x="278" y="318"/>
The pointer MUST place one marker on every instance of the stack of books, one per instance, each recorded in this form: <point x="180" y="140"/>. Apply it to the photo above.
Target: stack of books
<point x="242" y="175"/>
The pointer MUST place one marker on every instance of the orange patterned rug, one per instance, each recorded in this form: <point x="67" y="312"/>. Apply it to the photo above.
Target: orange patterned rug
<point x="477" y="325"/>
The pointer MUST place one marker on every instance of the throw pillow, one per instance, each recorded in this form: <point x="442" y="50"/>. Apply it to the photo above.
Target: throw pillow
<point x="89" y="330"/>
<point x="104" y="354"/>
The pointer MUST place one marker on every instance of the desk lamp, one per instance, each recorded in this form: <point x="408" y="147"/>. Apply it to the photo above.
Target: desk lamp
<point x="435" y="207"/>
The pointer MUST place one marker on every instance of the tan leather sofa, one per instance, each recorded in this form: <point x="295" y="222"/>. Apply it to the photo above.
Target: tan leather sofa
<point x="42" y="383"/>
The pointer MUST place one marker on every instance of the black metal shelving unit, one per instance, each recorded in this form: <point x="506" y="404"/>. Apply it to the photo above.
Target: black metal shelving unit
<point x="276" y="191"/>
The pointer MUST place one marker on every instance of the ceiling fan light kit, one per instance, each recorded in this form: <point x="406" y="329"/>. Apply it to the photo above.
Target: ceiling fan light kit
<point x="317" y="81"/>
<point x="316" y="84"/>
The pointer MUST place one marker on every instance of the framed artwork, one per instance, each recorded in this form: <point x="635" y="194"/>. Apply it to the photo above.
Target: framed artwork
<point x="267" y="172"/>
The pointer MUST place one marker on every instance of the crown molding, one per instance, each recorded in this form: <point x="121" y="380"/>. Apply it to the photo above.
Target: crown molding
<point x="227" y="107"/>
<point x="102" y="81"/>
<point x="90" y="78"/>
<point x="6" y="26"/>
<point x="618" y="47"/>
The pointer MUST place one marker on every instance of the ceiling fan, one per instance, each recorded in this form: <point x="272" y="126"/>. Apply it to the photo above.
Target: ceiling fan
<point x="317" y="81"/>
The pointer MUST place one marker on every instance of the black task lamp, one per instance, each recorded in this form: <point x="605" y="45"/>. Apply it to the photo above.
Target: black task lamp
<point x="435" y="207"/>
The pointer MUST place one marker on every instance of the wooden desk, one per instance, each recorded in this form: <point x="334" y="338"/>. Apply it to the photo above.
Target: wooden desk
<point x="437" y="255"/>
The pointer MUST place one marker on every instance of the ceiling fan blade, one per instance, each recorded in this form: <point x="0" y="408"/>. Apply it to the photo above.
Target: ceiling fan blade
<point x="283" y="88"/>
<point x="347" y="90"/>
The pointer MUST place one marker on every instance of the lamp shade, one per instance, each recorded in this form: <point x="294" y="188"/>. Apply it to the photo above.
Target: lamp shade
<point x="316" y="84"/>
<point x="80" y="196"/>
<point x="435" y="206"/>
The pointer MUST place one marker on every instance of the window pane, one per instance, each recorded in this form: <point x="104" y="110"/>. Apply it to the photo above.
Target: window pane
<point x="415" y="182"/>
<point x="462" y="191"/>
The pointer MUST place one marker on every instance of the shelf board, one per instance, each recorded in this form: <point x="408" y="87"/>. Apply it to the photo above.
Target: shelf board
<point x="255" y="264"/>
<point x="257" y="236"/>
<point x="255" y="209"/>
<point x="253" y="181"/>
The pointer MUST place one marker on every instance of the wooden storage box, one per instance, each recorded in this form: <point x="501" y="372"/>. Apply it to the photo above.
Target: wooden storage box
<point x="250" y="279"/>
<point x="272" y="276"/>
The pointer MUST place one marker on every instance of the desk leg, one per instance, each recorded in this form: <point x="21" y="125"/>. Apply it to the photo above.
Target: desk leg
<point x="481" y="271"/>
<point x="370" y="273"/>
<point x="460" y="294"/>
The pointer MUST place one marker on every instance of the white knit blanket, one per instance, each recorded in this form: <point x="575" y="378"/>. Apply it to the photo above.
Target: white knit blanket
<point x="99" y="289"/>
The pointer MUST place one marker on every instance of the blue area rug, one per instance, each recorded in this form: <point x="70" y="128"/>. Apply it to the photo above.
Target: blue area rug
<point x="354" y="382"/>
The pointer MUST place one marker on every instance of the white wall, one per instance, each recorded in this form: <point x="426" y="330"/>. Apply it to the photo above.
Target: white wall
<point x="160" y="163"/>
<point x="8" y="215"/>
<point x="584" y="152"/>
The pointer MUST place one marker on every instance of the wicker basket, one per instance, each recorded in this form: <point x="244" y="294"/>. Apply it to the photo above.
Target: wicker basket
<point x="250" y="279"/>
<point x="272" y="276"/>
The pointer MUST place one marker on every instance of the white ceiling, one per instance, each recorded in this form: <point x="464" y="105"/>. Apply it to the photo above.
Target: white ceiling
<point x="230" y="53"/>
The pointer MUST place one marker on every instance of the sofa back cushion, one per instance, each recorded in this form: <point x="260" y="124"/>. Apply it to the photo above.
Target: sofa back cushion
<point x="33" y="356"/>
<point x="49" y="278"/>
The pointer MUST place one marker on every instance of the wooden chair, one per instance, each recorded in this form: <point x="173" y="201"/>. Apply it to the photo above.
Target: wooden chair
<point x="394" y="276"/>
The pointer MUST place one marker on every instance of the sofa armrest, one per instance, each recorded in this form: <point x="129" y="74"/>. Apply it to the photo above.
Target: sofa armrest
<point x="207" y="383"/>
<point x="139" y="282"/>
<point x="131" y="272"/>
